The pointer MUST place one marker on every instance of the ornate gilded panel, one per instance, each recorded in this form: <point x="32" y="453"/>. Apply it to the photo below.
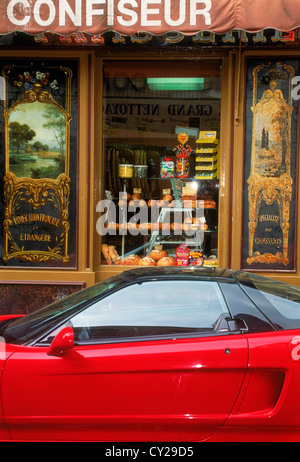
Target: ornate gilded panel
<point x="270" y="167"/>
<point x="37" y="183"/>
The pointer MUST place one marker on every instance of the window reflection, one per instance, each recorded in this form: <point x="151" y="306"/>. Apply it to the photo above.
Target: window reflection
<point x="153" y="308"/>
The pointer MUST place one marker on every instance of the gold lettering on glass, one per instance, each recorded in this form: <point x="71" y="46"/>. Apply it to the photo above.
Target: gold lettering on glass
<point x="270" y="180"/>
<point x="36" y="180"/>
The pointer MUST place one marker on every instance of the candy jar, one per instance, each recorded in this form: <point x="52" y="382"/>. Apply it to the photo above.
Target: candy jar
<point x="182" y="166"/>
<point x="182" y="152"/>
<point x="167" y="168"/>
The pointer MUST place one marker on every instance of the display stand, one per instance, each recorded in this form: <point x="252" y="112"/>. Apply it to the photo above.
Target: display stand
<point x="123" y="235"/>
<point x="207" y="156"/>
<point x="157" y="238"/>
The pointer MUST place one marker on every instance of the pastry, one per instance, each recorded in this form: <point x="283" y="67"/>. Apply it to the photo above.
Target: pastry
<point x="133" y="203"/>
<point x="132" y="225"/>
<point x="147" y="261"/>
<point x="124" y="196"/>
<point x="166" y="261"/>
<point x="145" y="226"/>
<point x="157" y="254"/>
<point x="156" y="226"/>
<point x="163" y="203"/>
<point x="209" y="204"/>
<point x="106" y="255"/>
<point x="152" y="203"/>
<point x="166" y="226"/>
<point x="186" y="227"/>
<point x="130" y="260"/>
<point x="112" y="226"/>
<point x="167" y="197"/>
<point x="114" y="256"/>
<point x="176" y="226"/>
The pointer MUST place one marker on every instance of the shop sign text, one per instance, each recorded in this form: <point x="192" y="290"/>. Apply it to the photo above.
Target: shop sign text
<point x="153" y="109"/>
<point x="127" y="13"/>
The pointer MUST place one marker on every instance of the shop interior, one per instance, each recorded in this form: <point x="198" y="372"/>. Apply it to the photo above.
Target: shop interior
<point x="161" y="163"/>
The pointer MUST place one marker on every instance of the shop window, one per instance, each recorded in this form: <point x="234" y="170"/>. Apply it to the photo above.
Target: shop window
<point x="161" y="163"/>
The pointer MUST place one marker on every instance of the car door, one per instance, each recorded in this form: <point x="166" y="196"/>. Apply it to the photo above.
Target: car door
<point x="149" y="363"/>
<point x="268" y="408"/>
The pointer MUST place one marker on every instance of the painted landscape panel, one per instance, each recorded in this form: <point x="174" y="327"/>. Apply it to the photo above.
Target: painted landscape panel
<point x="37" y="139"/>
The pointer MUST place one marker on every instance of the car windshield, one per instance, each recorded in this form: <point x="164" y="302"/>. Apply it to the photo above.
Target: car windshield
<point x="31" y="327"/>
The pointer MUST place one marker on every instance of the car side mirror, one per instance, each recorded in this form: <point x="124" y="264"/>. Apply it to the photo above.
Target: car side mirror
<point x="62" y="342"/>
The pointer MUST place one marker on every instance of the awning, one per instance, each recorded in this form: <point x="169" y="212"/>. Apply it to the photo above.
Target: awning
<point x="157" y="17"/>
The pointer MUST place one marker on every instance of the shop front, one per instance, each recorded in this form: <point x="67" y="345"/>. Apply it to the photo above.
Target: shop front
<point x="173" y="146"/>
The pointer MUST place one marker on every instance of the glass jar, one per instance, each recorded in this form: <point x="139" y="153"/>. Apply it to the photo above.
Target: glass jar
<point x="167" y="168"/>
<point x="182" y="167"/>
<point x="125" y="170"/>
<point x="140" y="171"/>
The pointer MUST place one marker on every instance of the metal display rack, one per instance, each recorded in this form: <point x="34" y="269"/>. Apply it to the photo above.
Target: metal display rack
<point x="159" y="238"/>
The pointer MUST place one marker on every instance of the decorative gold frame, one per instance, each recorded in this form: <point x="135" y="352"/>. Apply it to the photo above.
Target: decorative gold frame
<point x="270" y="188"/>
<point x="37" y="192"/>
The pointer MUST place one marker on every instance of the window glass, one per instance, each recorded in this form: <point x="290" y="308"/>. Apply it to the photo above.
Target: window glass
<point x="152" y="308"/>
<point x="27" y="329"/>
<point x="288" y="308"/>
<point x="161" y="153"/>
<point x="279" y="301"/>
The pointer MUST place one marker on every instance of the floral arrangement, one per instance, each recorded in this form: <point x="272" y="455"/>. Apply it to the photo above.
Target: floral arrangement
<point x="28" y="79"/>
<point x="182" y="150"/>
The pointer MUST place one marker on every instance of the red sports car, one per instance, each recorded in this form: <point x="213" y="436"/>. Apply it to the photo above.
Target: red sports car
<point x="158" y="354"/>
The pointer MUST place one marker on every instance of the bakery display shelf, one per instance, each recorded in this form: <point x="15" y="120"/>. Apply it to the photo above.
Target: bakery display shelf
<point x="157" y="238"/>
<point x="168" y="208"/>
<point x="192" y="178"/>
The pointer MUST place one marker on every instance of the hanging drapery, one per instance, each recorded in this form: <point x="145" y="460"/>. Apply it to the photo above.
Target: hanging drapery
<point x="153" y="16"/>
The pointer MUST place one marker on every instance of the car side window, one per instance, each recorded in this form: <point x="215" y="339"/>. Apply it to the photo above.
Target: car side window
<point x="151" y="309"/>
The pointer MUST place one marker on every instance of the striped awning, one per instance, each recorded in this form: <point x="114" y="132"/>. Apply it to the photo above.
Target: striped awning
<point x="157" y="17"/>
